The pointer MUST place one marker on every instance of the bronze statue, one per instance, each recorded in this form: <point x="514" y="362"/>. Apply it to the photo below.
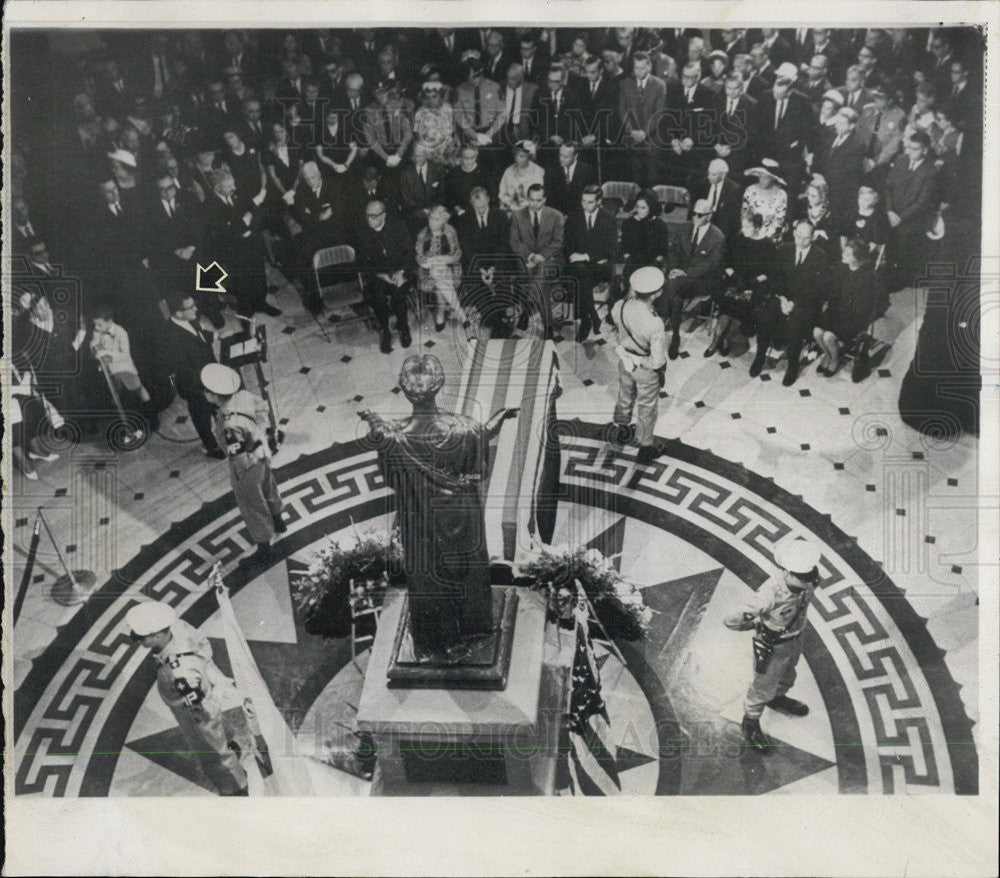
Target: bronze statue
<point x="435" y="462"/>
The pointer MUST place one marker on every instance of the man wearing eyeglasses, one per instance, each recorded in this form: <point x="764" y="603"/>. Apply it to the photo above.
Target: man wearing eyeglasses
<point x="694" y="262"/>
<point x="385" y="260"/>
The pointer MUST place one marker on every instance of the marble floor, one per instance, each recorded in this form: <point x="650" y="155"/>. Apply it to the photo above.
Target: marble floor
<point x="906" y="502"/>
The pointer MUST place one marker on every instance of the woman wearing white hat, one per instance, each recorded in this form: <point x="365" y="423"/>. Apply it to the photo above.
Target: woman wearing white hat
<point x="240" y="429"/>
<point x="777" y="612"/>
<point x="192" y="686"/>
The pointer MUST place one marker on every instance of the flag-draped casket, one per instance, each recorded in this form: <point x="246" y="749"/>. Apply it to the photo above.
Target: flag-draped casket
<point x="520" y="495"/>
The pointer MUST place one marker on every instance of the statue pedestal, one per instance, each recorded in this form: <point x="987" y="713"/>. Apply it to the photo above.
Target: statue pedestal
<point x="478" y="663"/>
<point x="446" y="741"/>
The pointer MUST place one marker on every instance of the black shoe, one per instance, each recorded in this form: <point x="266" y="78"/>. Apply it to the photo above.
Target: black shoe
<point x="711" y="349"/>
<point x="405" y="339"/>
<point x="235" y="748"/>
<point x="583" y="333"/>
<point x="790" y="375"/>
<point x="438" y="326"/>
<point x="675" y="347"/>
<point x="270" y="310"/>
<point x="647" y="454"/>
<point x="723" y="347"/>
<point x="788" y="705"/>
<point x="279" y="524"/>
<point x="753" y="734"/>
<point x="216" y="453"/>
<point x="756" y="366"/>
<point x="385" y="342"/>
<point x="822" y="370"/>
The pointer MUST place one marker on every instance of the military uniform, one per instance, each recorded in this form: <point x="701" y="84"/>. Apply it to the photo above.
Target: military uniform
<point x="642" y="352"/>
<point x="778" y="613"/>
<point x="782" y="610"/>
<point x="192" y="686"/>
<point x="240" y="428"/>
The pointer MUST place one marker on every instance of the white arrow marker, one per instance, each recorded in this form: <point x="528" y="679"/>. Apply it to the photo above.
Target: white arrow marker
<point x="218" y="287"/>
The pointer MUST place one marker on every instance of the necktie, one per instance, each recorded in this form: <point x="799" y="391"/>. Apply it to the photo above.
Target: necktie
<point x="731" y="108"/>
<point x="694" y="237"/>
<point x="170" y="211"/>
<point x="116" y="209"/>
<point x="386" y="134"/>
<point x="534" y="223"/>
<point x="913" y="166"/>
<point x="779" y="113"/>
<point x="479" y="108"/>
<point x="690" y="95"/>
<point x="590" y="222"/>
<point x="569" y="175"/>
<point x="878" y="122"/>
<point x="642" y="88"/>
<point x="593" y="89"/>
<point x="954" y="92"/>
<point x="482" y="222"/>
<point x="851" y="98"/>
<point x="798" y="258"/>
<point x="715" y="196"/>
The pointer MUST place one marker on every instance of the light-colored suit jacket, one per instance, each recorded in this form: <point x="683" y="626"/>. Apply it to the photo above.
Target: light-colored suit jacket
<point x="491" y="108"/>
<point x="549" y="242"/>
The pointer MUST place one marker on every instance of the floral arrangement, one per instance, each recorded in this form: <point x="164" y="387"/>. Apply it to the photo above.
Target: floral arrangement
<point x="618" y="604"/>
<point x="340" y="579"/>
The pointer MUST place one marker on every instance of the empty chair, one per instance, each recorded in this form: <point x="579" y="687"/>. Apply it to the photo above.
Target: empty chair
<point x="331" y="277"/>
<point x="675" y="201"/>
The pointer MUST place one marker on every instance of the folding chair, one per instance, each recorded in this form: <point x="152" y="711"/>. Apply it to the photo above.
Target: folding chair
<point x="676" y="203"/>
<point x="617" y="195"/>
<point x="348" y="291"/>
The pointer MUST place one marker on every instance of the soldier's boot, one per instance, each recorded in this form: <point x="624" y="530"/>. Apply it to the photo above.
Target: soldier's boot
<point x="788" y="705"/>
<point x="754" y="735"/>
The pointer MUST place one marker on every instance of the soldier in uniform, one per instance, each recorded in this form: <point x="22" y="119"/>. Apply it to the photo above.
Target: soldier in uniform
<point x="240" y="428"/>
<point x="778" y="614"/>
<point x="191" y="685"/>
<point x="642" y="358"/>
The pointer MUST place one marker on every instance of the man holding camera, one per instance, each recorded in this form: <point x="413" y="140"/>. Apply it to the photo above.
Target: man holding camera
<point x="191" y="685"/>
<point x="241" y="431"/>
<point x="778" y="615"/>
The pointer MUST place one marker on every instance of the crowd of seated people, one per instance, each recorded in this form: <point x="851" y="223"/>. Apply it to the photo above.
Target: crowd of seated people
<point x="468" y="168"/>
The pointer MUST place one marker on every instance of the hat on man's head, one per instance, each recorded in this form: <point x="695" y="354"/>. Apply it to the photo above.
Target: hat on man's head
<point x="834" y="96"/>
<point x="788" y="72"/>
<point x="220" y="379"/>
<point x="797" y="555"/>
<point x="148" y="617"/>
<point x="646" y="281"/>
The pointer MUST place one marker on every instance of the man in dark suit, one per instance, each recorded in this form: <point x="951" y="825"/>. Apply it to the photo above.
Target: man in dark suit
<point x="25" y="229"/>
<point x="725" y="198"/>
<point x="186" y="349"/>
<point x="856" y="96"/>
<point x="591" y="235"/>
<point x="484" y="235"/>
<point x="598" y="114"/>
<point x="174" y="244"/>
<point x="695" y="258"/>
<point x="318" y="208"/>
<point x="536" y="236"/>
<point x="688" y="103"/>
<point x="778" y="48"/>
<point x="385" y="260"/>
<point x="518" y="96"/>
<point x="421" y="186"/>
<point x="787" y="316"/>
<point x="911" y="201"/>
<point x="236" y="244"/>
<point x="675" y="40"/>
<point x="444" y="50"/>
<point x="641" y="101"/>
<point x="362" y="189"/>
<point x="565" y="182"/>
<point x="218" y="112"/>
<point x="534" y="59"/>
<point x="787" y="128"/>
<point x="495" y="58"/>
<point x="840" y="159"/>
<point x="736" y="126"/>
<point x="554" y="113"/>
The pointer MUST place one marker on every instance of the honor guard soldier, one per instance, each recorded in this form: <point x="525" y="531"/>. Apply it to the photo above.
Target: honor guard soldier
<point x="642" y="359"/>
<point x="778" y="615"/>
<point x="241" y="430"/>
<point x="191" y="685"/>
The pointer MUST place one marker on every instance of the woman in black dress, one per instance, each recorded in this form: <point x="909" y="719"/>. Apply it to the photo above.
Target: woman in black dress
<point x="856" y="291"/>
<point x="281" y="163"/>
<point x="337" y="149"/>
<point x="644" y="240"/>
